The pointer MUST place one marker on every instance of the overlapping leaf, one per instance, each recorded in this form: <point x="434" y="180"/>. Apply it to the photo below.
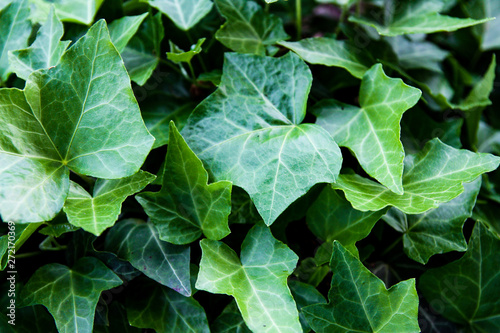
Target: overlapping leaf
<point x="372" y="132"/>
<point x="75" y="11"/>
<point x="248" y="132"/>
<point x="184" y="13"/>
<point x="80" y="115"/>
<point x="487" y="32"/>
<point x="123" y="29"/>
<point x="257" y="282"/>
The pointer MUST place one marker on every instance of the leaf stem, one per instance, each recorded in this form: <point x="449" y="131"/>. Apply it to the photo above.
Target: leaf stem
<point x="28" y="254"/>
<point x="343" y="14"/>
<point x="298" y="18"/>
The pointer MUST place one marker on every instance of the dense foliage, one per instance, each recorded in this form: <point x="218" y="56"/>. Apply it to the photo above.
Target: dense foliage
<point x="249" y="166"/>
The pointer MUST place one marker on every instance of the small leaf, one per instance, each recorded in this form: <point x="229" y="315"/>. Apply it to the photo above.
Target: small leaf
<point x="305" y="294"/>
<point x="178" y="56"/>
<point x="95" y="213"/>
<point x="184" y="13"/>
<point x="70" y="295"/>
<point x="123" y="29"/>
<point x="359" y="301"/>
<point x="229" y="321"/>
<point x="186" y="206"/>
<point x="257" y="282"/>
<point x="11" y="242"/>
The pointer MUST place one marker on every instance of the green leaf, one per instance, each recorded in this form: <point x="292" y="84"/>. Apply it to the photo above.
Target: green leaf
<point x="123" y="29"/>
<point x="184" y="13"/>
<point x="248" y="132"/>
<point x="435" y="175"/>
<point x="99" y="211"/>
<point x="80" y="116"/>
<point x="305" y="294"/>
<point x="75" y="11"/>
<point x="437" y="230"/>
<point x="11" y="242"/>
<point x="467" y="289"/>
<point x="359" y="301"/>
<point x="70" y="295"/>
<point x="331" y="52"/>
<point x="187" y="206"/>
<point x="229" y="321"/>
<point x="418" y="17"/>
<point x="58" y="225"/>
<point x="16" y="29"/>
<point x="141" y="55"/>
<point x="165" y="311"/>
<point x="140" y="244"/>
<point x="118" y="321"/>
<point x="248" y="28"/>
<point x="331" y="217"/>
<point x="487" y="33"/>
<point x="45" y="52"/>
<point x="373" y="138"/>
<point x="179" y="56"/>
<point x="257" y="282"/>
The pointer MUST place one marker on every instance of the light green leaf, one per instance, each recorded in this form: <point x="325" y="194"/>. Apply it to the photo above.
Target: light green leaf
<point x="248" y="132"/>
<point x="331" y="217"/>
<point x="257" y="282"/>
<point x="123" y="29"/>
<point x="81" y="115"/>
<point x="331" y="52"/>
<point x="488" y="32"/>
<point x="70" y="295"/>
<point x="467" y="289"/>
<point x="141" y="55"/>
<point x="139" y="243"/>
<point x="229" y="321"/>
<point x="11" y="242"/>
<point x="186" y="206"/>
<point x="45" y="52"/>
<point x="75" y="11"/>
<point x="372" y="132"/>
<point x="359" y="301"/>
<point x="418" y="16"/>
<point x="305" y="294"/>
<point x="178" y="56"/>
<point x="16" y="29"/>
<point x="437" y="230"/>
<point x="184" y="13"/>
<point x="165" y="311"/>
<point x="99" y="211"/>
<point x="435" y="175"/>
<point x="248" y="28"/>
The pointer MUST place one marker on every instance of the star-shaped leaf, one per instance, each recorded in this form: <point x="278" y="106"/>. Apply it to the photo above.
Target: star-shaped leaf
<point x="435" y="175"/>
<point x="372" y="132"/>
<point x="80" y="115"/>
<point x="184" y="13"/>
<point x="186" y="206"/>
<point x="257" y="282"/>
<point x="248" y="132"/>
<point x="70" y="295"/>
<point x="359" y="301"/>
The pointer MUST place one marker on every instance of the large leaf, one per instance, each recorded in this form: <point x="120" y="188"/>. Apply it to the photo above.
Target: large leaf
<point x="139" y="243"/>
<point x="359" y="301"/>
<point x="435" y="175"/>
<point x="331" y="52"/>
<point x="123" y="29"/>
<point x="75" y="11"/>
<point x="467" y="289"/>
<point x="437" y="230"/>
<point x="372" y="132"/>
<point x="417" y="16"/>
<point x="186" y="206"/>
<point x="70" y="295"/>
<point x="257" y="282"/>
<point x="248" y="132"/>
<point x="248" y="28"/>
<point x="80" y="116"/>
<point x="184" y="13"/>
<point x="45" y="52"/>
<point x="99" y="211"/>
<point x="15" y="29"/>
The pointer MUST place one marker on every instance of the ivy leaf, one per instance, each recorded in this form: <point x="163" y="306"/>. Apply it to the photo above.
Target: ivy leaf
<point x="257" y="282"/>
<point x="75" y="11"/>
<point x="437" y="230"/>
<point x="186" y="206"/>
<point x="488" y="37"/>
<point x="305" y="294"/>
<point x="229" y="321"/>
<point x="184" y="13"/>
<point x="93" y="128"/>
<point x="45" y="52"/>
<point x="16" y="29"/>
<point x="372" y="132"/>
<point x="178" y="56"/>
<point x="331" y="52"/>
<point x="248" y="132"/>
<point x="474" y="279"/>
<point x="70" y="295"/>
<point x="418" y="17"/>
<point x="123" y="29"/>
<point x="99" y="211"/>
<point x="165" y="311"/>
<point x="139" y="243"/>
<point x="21" y="233"/>
<point x="248" y="28"/>
<point x="359" y="301"/>
<point x="435" y="175"/>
